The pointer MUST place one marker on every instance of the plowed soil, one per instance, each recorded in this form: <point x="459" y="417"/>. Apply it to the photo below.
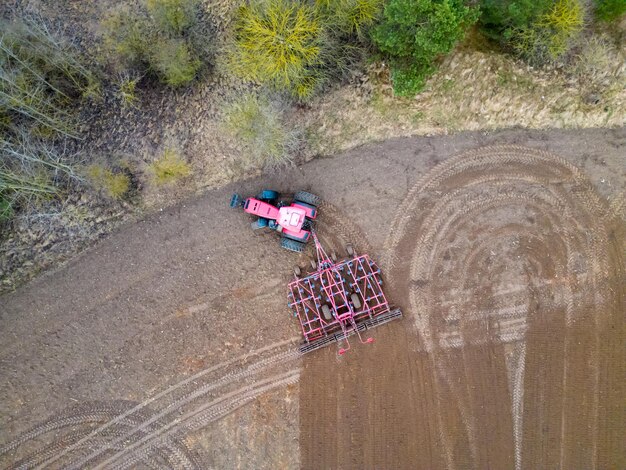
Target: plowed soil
<point x="509" y="268"/>
<point x="170" y="345"/>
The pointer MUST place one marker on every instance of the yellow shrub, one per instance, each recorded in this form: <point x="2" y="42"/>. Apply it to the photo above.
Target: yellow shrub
<point x="115" y="185"/>
<point x="277" y="42"/>
<point x="169" y="168"/>
<point x="565" y="20"/>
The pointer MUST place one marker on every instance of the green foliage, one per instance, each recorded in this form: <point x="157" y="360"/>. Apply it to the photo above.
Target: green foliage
<point x="415" y="33"/>
<point x="174" y="62"/>
<point x="128" y="35"/>
<point x="6" y="209"/>
<point x="610" y="10"/>
<point x="258" y="123"/>
<point x="500" y="18"/>
<point x="158" y="39"/>
<point x="115" y="185"/>
<point x="551" y="35"/>
<point x="169" y="168"/>
<point x="278" y="43"/>
<point x="175" y="16"/>
<point x="539" y="31"/>
<point x="349" y="16"/>
<point x="127" y="89"/>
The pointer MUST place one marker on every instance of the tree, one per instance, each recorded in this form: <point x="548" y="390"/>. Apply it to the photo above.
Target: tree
<point x="416" y="33"/>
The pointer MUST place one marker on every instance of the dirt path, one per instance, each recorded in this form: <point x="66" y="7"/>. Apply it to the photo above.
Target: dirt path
<point x="169" y="344"/>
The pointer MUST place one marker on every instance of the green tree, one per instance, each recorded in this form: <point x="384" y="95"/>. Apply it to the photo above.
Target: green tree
<point x="415" y="33"/>
<point x="610" y="10"/>
<point x="499" y="19"/>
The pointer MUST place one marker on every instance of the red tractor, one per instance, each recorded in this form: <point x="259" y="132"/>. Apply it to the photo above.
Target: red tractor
<point x="293" y="220"/>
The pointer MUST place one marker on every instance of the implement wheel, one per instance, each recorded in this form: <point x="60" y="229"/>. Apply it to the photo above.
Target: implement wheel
<point x="356" y="301"/>
<point x="307" y="198"/>
<point x="292" y="245"/>
<point x="326" y="312"/>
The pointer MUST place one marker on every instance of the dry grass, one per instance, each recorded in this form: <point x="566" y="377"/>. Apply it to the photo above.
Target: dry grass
<point x="257" y="122"/>
<point x="114" y="185"/>
<point x="472" y="91"/>
<point x="168" y="169"/>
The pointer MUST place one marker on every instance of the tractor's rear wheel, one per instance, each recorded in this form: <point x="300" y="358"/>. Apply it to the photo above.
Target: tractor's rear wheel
<point x="292" y="245"/>
<point x="307" y="198"/>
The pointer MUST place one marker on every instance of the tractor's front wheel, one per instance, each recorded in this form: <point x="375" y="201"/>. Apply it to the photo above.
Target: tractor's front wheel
<point x="307" y="198"/>
<point x="292" y="245"/>
<point x="268" y="195"/>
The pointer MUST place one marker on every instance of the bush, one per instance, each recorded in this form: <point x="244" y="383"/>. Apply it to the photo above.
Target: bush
<point x="278" y="43"/>
<point x="610" y="10"/>
<point x="127" y="89"/>
<point x="42" y="80"/>
<point x="169" y="168"/>
<point x="349" y="16"/>
<point x="499" y="19"/>
<point x="115" y="185"/>
<point x="158" y="39"/>
<point x="174" y="16"/>
<point x="173" y="61"/>
<point x="258" y="123"/>
<point x="552" y="34"/>
<point x="415" y="33"/>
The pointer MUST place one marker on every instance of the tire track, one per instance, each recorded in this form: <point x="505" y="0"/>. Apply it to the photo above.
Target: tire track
<point x="445" y="232"/>
<point x="119" y="426"/>
<point x="200" y="417"/>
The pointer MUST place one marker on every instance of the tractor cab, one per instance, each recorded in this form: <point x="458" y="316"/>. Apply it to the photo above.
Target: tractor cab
<point x="291" y="218"/>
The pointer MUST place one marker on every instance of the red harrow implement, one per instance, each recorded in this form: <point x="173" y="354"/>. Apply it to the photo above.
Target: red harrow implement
<point x="339" y="299"/>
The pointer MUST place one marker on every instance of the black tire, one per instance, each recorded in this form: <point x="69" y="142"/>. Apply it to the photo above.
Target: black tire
<point x="268" y="195"/>
<point x="307" y="198"/>
<point x="356" y="301"/>
<point x="295" y="239"/>
<point x="292" y="245"/>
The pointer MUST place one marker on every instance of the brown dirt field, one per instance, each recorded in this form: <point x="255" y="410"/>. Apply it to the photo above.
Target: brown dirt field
<point x="170" y="345"/>
<point x="509" y="268"/>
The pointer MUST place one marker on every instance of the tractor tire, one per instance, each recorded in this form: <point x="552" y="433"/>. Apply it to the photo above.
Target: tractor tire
<point x="356" y="301"/>
<point x="326" y="312"/>
<point x="268" y="195"/>
<point x="295" y="239"/>
<point x="292" y="245"/>
<point x="307" y="198"/>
